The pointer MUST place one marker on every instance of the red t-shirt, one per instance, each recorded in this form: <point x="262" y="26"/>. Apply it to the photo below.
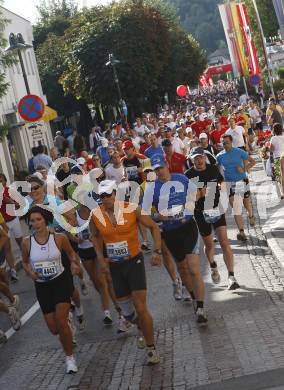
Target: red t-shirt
<point x="176" y="163"/>
<point x="224" y="121"/>
<point x="6" y="195"/>
<point x="240" y="120"/>
<point x="217" y="134"/>
<point x="90" y="164"/>
<point x="143" y="147"/>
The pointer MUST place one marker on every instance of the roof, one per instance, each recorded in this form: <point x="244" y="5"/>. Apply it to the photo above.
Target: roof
<point x="19" y="16"/>
<point x="223" y="52"/>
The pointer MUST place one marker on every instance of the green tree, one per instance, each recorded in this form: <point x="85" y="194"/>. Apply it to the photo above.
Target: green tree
<point x="145" y="40"/>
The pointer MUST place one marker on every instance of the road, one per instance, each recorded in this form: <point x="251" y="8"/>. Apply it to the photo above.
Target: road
<point x="243" y="346"/>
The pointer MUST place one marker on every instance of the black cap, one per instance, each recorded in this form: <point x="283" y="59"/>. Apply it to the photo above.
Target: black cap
<point x="197" y="151"/>
<point x="166" y="142"/>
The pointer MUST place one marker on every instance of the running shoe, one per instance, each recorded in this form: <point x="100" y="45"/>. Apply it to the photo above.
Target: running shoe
<point x="107" y="318"/>
<point x="215" y="239"/>
<point x="14" y="317"/>
<point x="241" y="236"/>
<point x="72" y="327"/>
<point x="123" y="325"/>
<point x="215" y="276"/>
<point x="71" y="366"/>
<point x="201" y="318"/>
<point x="185" y="295"/>
<point x="145" y="246"/>
<point x="3" y="337"/>
<point x="13" y="275"/>
<point x="152" y="356"/>
<point x="232" y="283"/>
<point x="177" y="290"/>
<point x="84" y="288"/>
<point x="252" y="220"/>
<point x="82" y="322"/>
<point x="141" y="343"/>
<point x="16" y="303"/>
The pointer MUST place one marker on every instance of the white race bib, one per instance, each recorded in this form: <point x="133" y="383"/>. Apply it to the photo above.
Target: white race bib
<point x="212" y="215"/>
<point x="118" y="251"/>
<point x="47" y="270"/>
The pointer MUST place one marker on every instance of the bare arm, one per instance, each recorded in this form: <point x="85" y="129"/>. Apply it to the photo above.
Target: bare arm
<point x="64" y="244"/>
<point x="98" y="243"/>
<point x="26" y="263"/>
<point x="3" y="238"/>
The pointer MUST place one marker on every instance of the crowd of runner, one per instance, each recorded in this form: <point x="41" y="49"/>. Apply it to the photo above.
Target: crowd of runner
<point x="158" y="187"/>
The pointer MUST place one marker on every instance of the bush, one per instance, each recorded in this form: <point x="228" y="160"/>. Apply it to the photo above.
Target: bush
<point x="280" y="73"/>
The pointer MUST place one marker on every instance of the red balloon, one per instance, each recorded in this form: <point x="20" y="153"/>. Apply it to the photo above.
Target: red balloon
<point x="182" y="90"/>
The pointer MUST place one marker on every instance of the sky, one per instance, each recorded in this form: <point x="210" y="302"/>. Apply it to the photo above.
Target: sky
<point x="27" y="8"/>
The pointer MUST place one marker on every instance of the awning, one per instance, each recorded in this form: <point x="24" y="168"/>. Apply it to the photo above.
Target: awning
<point x="49" y="114"/>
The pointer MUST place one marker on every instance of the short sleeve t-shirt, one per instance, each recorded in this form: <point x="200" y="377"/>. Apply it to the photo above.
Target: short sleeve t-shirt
<point x="171" y="196"/>
<point x="151" y="151"/>
<point x="176" y="163"/>
<point x="278" y="142"/>
<point x="238" y="136"/>
<point x="230" y="161"/>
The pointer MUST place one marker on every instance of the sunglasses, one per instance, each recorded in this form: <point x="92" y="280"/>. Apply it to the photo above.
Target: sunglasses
<point x="35" y="188"/>
<point x="105" y="195"/>
<point x="226" y="143"/>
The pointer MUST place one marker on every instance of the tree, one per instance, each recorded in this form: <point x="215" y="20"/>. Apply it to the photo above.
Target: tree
<point x="7" y="59"/>
<point x="143" y="38"/>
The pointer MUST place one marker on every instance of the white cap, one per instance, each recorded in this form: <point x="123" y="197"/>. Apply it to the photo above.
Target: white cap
<point x="203" y="135"/>
<point x="182" y="122"/>
<point x="81" y="161"/>
<point x="188" y="130"/>
<point x="104" y="142"/>
<point x="107" y="187"/>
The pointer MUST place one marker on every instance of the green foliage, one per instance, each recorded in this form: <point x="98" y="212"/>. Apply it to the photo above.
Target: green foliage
<point x="154" y="53"/>
<point x="4" y="129"/>
<point x="280" y="73"/>
<point x="278" y="85"/>
<point x="201" y="18"/>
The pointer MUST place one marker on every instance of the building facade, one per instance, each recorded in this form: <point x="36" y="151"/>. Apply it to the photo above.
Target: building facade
<point x="15" y="150"/>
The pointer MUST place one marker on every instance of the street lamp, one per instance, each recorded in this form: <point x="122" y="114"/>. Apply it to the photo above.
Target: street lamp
<point x="113" y="62"/>
<point x="17" y="43"/>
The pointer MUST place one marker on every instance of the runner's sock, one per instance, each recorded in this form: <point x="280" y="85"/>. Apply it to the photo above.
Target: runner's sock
<point x="192" y="294"/>
<point x="199" y="304"/>
<point x="231" y="274"/>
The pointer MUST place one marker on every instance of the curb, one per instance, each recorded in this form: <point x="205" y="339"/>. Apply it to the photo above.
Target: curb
<point x="274" y="246"/>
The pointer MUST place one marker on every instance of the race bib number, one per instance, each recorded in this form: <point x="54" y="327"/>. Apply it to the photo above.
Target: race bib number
<point x="118" y="251"/>
<point x="177" y="213"/>
<point x="212" y="215"/>
<point x="85" y="234"/>
<point x="47" y="270"/>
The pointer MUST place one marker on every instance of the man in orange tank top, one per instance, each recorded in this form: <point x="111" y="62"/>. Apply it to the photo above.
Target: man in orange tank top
<point x="114" y="229"/>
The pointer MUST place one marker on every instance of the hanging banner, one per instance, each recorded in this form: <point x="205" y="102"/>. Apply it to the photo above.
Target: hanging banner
<point x="247" y="36"/>
<point x="279" y="10"/>
<point x="230" y="39"/>
<point x="239" y="38"/>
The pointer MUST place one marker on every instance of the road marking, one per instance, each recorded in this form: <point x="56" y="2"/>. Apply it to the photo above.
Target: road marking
<point x="32" y="310"/>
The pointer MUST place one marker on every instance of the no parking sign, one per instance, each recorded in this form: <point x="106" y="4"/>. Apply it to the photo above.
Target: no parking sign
<point x="31" y="108"/>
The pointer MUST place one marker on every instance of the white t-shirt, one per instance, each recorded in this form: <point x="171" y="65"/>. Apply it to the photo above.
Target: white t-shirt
<point x="237" y="133"/>
<point x="114" y="173"/>
<point x="141" y="130"/>
<point x="255" y="115"/>
<point x="178" y="145"/>
<point x="278" y="142"/>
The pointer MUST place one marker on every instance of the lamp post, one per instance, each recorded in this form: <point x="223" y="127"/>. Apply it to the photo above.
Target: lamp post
<point x="17" y="43"/>
<point x="113" y="62"/>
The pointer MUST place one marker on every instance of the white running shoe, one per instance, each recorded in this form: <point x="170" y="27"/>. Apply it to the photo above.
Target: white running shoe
<point x="14" y="317"/>
<point x="201" y="318"/>
<point x="72" y="327"/>
<point x="123" y="325"/>
<point x="71" y="366"/>
<point x="232" y="283"/>
<point x="107" y="318"/>
<point x="185" y="295"/>
<point x="152" y="356"/>
<point x="13" y="275"/>
<point x="177" y="290"/>
<point x="141" y="343"/>
<point x="215" y="276"/>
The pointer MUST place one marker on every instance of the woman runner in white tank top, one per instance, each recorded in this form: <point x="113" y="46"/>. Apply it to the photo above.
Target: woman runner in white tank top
<point x="41" y="254"/>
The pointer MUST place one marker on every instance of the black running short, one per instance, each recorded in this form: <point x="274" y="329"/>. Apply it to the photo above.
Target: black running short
<point x="246" y="188"/>
<point x="67" y="267"/>
<point x="86" y="254"/>
<point x="182" y="241"/>
<point x="128" y="276"/>
<point x="51" y="293"/>
<point x="205" y="228"/>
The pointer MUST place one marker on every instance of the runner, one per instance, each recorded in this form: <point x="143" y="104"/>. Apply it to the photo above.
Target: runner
<point x="180" y="231"/>
<point x="42" y="262"/>
<point x="213" y="217"/>
<point x="236" y="163"/>
<point x="117" y="229"/>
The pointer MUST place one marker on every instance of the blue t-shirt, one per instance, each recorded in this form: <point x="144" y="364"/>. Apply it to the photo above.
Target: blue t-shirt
<point x="171" y="196"/>
<point x="230" y="161"/>
<point x="151" y="151"/>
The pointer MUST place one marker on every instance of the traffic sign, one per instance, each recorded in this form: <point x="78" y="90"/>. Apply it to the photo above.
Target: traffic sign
<point x="31" y="108"/>
<point x="255" y="80"/>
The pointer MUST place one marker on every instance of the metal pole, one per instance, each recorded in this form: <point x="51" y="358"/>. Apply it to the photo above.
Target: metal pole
<point x="115" y="75"/>
<point x="24" y="72"/>
<point x="263" y="47"/>
<point x="245" y="85"/>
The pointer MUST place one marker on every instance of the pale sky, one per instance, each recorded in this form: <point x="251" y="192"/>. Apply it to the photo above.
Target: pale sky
<point x="27" y="8"/>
